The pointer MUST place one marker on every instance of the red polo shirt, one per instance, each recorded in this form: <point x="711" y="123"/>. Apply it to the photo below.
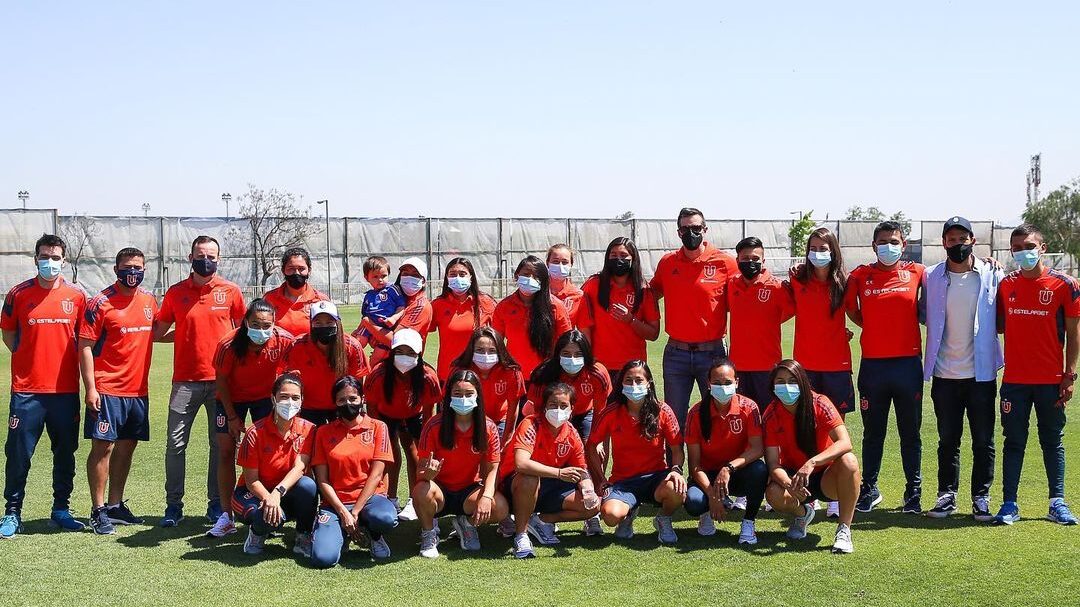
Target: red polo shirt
<point x="631" y="453"/>
<point x="695" y="311"/>
<point x="731" y="433"/>
<point x="560" y="448"/>
<point x="252" y="377"/>
<point x="398" y="406"/>
<point x="348" y="454"/>
<point x="45" y="321"/>
<point x="1033" y="312"/>
<point x="511" y="319"/>
<point x="294" y="316"/>
<point x="780" y="431"/>
<point x="265" y="449"/>
<point x="821" y="342"/>
<point x="758" y="309"/>
<point x="122" y="329"/>
<point x="203" y="315"/>
<point x="502" y="388"/>
<point x="455" y="321"/>
<point x="461" y="462"/>
<point x="306" y="357"/>
<point x="614" y="342"/>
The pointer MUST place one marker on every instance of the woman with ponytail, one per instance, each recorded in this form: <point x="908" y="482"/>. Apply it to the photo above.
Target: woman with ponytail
<point x="350" y="459"/>
<point x="501" y="382"/>
<point x="458" y="312"/>
<point x="530" y="317"/>
<point x="808" y="451"/>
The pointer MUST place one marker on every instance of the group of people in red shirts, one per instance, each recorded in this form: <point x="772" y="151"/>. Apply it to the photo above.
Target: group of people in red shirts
<point x="542" y="408"/>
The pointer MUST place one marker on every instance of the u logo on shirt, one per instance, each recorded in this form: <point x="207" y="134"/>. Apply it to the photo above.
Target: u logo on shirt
<point x="736" y="425"/>
<point x="148" y="313"/>
<point x="903" y="275"/>
<point x="68" y="306"/>
<point x="1046" y="296"/>
<point x="219" y="297"/>
<point x="500" y="387"/>
<point x="586" y="389"/>
<point x="367" y="437"/>
<point x="710" y="272"/>
<point x="763" y="295"/>
<point x="562" y="449"/>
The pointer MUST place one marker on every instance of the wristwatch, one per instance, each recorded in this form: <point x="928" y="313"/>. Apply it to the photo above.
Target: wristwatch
<point x="281" y="490"/>
<point x="677" y="468"/>
<point x="730" y="468"/>
<point x="1070" y="376"/>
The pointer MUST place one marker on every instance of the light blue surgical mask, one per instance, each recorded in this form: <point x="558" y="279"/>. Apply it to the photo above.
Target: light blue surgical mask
<point x="636" y="392"/>
<point x="722" y="392"/>
<point x="787" y="393"/>
<point x="412" y="285"/>
<point x="459" y="284"/>
<point x="888" y="254"/>
<point x="49" y="268"/>
<point x="1026" y="259"/>
<point x="819" y="259"/>
<point x="572" y="364"/>
<point x="259" y="336"/>
<point x="528" y="285"/>
<point x="559" y="270"/>
<point x="463" y="405"/>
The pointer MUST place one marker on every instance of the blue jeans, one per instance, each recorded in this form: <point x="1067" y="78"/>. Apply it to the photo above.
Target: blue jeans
<point x="682" y="369"/>
<point x="378" y="516"/>
<point x="756" y="386"/>
<point x="298" y="503"/>
<point x="57" y="414"/>
<point x="749" y="480"/>
<point x="583" y="424"/>
<point x="1017" y="401"/>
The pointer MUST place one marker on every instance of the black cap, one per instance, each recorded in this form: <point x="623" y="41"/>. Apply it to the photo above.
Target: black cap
<point x="957" y="222"/>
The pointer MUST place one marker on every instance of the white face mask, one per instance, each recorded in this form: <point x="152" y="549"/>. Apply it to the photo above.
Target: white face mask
<point x="559" y="270"/>
<point x="484" y="361"/>
<point x="572" y="364"/>
<point x="412" y="285"/>
<point x="404" y="362"/>
<point x="557" y="417"/>
<point x="528" y="285"/>
<point x="287" y="408"/>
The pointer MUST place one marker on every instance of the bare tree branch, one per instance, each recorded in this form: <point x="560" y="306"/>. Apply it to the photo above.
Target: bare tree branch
<point x="277" y="222"/>
<point x="81" y="233"/>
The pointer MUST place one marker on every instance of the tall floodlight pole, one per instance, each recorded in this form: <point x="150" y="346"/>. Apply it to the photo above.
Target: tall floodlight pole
<point x="23" y="197"/>
<point x="145" y="209"/>
<point x="326" y="206"/>
<point x="226" y="198"/>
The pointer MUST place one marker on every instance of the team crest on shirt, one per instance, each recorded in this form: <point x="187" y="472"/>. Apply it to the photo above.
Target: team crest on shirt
<point x="630" y="299"/>
<point x="273" y="354"/>
<point x="298" y="444"/>
<point x="864" y="404"/>
<point x="68" y="306"/>
<point x="219" y="297"/>
<point x="736" y="425"/>
<point x="248" y="495"/>
<point x="710" y="272"/>
<point x="562" y="449"/>
<point x="903" y="275"/>
<point x="381" y="296"/>
<point x="586" y="388"/>
<point x="568" y="303"/>
<point x="1006" y="406"/>
<point x="367" y="436"/>
<point x="500" y="387"/>
<point x="13" y="422"/>
<point x="324" y="518"/>
<point x="220" y="421"/>
<point x="148" y="313"/>
<point x="103" y="427"/>
<point x="1046" y="296"/>
<point x="763" y="295"/>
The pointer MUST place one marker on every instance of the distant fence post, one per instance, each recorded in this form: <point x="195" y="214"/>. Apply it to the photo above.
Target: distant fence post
<point x="345" y="254"/>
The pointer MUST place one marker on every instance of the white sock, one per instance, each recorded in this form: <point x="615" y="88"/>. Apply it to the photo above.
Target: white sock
<point x="1054" y="501"/>
<point x="116" y="505"/>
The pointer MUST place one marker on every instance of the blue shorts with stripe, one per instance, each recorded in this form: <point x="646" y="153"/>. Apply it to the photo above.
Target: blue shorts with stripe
<point x="119" y="418"/>
<point x="258" y="409"/>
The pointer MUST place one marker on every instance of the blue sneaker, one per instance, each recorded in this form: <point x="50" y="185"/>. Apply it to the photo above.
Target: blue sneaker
<point x="1060" y="514"/>
<point x="213" y="511"/>
<point x="10" y="525"/>
<point x="64" y="520"/>
<point x="1008" y="514"/>
<point x="174" y="513"/>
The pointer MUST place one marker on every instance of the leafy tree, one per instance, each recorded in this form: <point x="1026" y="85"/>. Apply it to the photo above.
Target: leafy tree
<point x="857" y="213"/>
<point x="1058" y="216"/>
<point x="277" y="222"/>
<point x="799" y="233"/>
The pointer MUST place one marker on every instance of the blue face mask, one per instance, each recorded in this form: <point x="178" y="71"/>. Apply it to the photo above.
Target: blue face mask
<point x="722" y="393"/>
<point x="259" y="336"/>
<point x="130" y="277"/>
<point x="888" y="254"/>
<point x="459" y="284"/>
<point x="819" y="259"/>
<point x="572" y="364"/>
<point x="787" y="393"/>
<point x="528" y="285"/>
<point x="1026" y="259"/>
<point x="48" y="268"/>
<point x="463" y="405"/>
<point x="412" y="284"/>
<point x="636" y="392"/>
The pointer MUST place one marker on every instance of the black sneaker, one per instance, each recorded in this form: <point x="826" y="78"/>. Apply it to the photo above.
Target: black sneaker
<point x="945" y="505"/>
<point x="912" y="504"/>
<point x="868" y="498"/>
<point x="120" y="515"/>
<point x="100" y="523"/>
<point x="980" y="509"/>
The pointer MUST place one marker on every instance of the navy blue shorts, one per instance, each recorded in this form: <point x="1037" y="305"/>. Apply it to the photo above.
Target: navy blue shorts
<point x="836" y="386"/>
<point x="756" y="386"/>
<point x="454" y="501"/>
<point x="119" y="418"/>
<point x="815" y="485"/>
<point x="258" y="409"/>
<point x="412" y="425"/>
<point x="637" y="489"/>
<point x="550" y="496"/>
<point x="319" y="417"/>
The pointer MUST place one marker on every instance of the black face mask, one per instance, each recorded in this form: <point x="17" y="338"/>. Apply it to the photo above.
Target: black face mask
<point x="959" y="253"/>
<point x="204" y="267"/>
<point x="618" y="267"/>
<point x="296" y="281"/>
<point x="692" y="240"/>
<point x="750" y="269"/>
<point x="349" y="411"/>
<point x="324" y="335"/>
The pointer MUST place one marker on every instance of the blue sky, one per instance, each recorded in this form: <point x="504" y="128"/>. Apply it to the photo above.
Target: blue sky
<point x="539" y="108"/>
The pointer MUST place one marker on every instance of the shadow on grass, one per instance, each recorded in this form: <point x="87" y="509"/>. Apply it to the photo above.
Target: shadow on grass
<point x="155" y="535"/>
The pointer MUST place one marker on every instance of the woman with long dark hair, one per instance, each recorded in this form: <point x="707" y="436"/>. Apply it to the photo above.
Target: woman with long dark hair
<point x="724" y="448"/>
<point x="293" y="298"/>
<point x="808" y="451"/>
<point x="349" y="461"/>
<point x="458" y="312"/>
<point x="247" y="361"/>
<point x="642" y="429"/>
<point x="501" y="381"/>
<point x="403" y="391"/>
<point x="322" y="356"/>
<point x="572" y="363"/>
<point x="530" y="317"/>
<point x="459" y="461"/>
<point x="622" y="311"/>
<point x="560" y="266"/>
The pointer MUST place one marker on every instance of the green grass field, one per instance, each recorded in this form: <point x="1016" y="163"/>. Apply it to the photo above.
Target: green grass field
<point x="898" y="559"/>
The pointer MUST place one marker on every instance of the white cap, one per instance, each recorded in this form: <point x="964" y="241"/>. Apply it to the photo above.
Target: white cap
<point x="324" y="307"/>
<point x="417" y="263"/>
<point x="408" y="337"/>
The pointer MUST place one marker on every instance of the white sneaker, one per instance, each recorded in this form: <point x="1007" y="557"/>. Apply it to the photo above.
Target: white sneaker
<point x="625" y="529"/>
<point x="739" y="503"/>
<point x="705" y="525"/>
<point x="523" y="547"/>
<point x="665" y="532"/>
<point x="506" y="526"/>
<point x="429" y="543"/>
<point x="254" y="543"/>
<point x="470" y="539"/>
<point x="834" y="510"/>
<point x="408" y="513"/>
<point x="302" y="546"/>
<point x="380" y="549"/>
<point x="543" y="532"/>
<point x="797" y="530"/>
<point x="747" y="533"/>
<point x="224" y="526"/>
<point x="593" y="527"/>
<point x="767" y="506"/>
<point x="842" y="544"/>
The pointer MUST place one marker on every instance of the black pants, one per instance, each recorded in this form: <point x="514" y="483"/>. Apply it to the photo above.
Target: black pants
<point x="952" y="398"/>
<point x="882" y="382"/>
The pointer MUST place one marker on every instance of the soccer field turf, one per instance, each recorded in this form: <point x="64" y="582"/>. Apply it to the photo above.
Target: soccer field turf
<point x="898" y="559"/>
